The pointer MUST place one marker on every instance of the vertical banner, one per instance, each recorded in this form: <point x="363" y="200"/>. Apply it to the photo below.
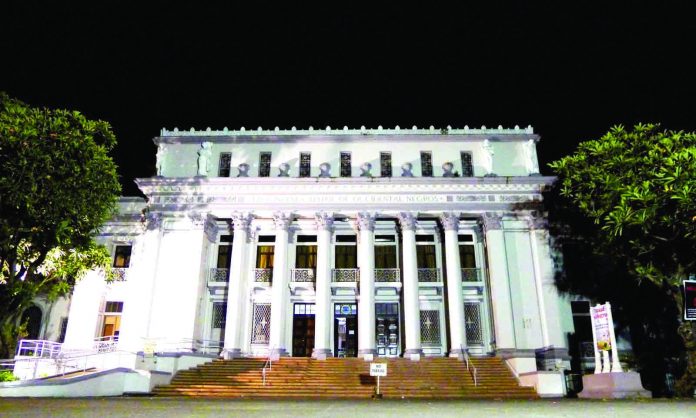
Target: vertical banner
<point x="600" y="322"/>
<point x="690" y="300"/>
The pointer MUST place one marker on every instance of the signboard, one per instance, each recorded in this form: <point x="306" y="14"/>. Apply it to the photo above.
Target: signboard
<point x="378" y="369"/>
<point x="690" y="300"/>
<point x="602" y="331"/>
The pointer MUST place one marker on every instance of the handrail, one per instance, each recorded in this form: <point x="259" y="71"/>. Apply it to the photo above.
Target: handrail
<point x="469" y="364"/>
<point x="269" y="363"/>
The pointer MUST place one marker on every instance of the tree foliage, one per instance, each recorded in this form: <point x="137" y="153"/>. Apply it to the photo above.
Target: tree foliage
<point x="632" y="198"/>
<point x="57" y="186"/>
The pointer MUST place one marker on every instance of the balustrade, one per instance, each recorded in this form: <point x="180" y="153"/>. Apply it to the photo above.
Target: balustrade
<point x="218" y="275"/>
<point x="302" y="275"/>
<point x="387" y="275"/>
<point x="429" y="275"/>
<point x="472" y="275"/>
<point x="345" y="275"/>
<point x="263" y="275"/>
<point x="120" y="274"/>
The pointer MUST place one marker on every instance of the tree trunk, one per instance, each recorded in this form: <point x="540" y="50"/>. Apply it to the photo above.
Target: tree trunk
<point x="687" y="383"/>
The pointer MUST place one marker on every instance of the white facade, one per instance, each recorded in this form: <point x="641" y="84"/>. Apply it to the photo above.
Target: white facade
<point x="235" y="252"/>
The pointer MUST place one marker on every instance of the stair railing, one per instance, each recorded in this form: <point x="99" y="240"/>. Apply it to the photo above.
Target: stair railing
<point x="267" y="365"/>
<point x="469" y="364"/>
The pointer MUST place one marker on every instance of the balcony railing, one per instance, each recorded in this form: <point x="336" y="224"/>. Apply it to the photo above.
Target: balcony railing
<point x="429" y="275"/>
<point x="120" y="273"/>
<point x="302" y="275"/>
<point x="218" y="275"/>
<point x="387" y="275"/>
<point x="472" y="275"/>
<point x="345" y="275"/>
<point x="263" y="275"/>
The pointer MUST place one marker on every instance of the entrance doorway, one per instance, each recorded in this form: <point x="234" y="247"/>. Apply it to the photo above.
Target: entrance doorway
<point x="346" y="329"/>
<point x="303" y="330"/>
<point x="387" y="329"/>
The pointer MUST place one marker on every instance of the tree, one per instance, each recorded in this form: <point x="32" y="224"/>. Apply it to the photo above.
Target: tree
<point x="630" y="197"/>
<point x="57" y="186"/>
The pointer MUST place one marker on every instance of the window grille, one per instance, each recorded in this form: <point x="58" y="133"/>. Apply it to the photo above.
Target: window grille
<point x="305" y="164"/>
<point x="467" y="164"/>
<point x="262" y="323"/>
<point x="219" y="314"/>
<point x="122" y="256"/>
<point x="265" y="164"/>
<point x="472" y="319"/>
<point x="345" y="164"/>
<point x="430" y="327"/>
<point x="385" y="164"/>
<point x="426" y="164"/>
<point x="224" y="165"/>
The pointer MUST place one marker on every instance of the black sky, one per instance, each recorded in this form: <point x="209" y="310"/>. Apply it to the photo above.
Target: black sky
<point x="570" y="71"/>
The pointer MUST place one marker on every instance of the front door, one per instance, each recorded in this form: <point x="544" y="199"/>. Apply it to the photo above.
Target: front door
<point x="387" y="329"/>
<point x="346" y="329"/>
<point x="303" y="330"/>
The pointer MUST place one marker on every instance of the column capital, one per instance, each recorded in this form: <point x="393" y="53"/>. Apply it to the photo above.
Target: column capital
<point x="197" y="219"/>
<point x="450" y="221"/>
<point x="323" y="220"/>
<point x="241" y="221"/>
<point x="282" y="220"/>
<point x="407" y="220"/>
<point x="492" y="221"/>
<point x="366" y="221"/>
<point x="211" y="228"/>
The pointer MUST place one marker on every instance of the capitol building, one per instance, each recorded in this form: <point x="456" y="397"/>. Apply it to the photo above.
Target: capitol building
<point x="403" y="242"/>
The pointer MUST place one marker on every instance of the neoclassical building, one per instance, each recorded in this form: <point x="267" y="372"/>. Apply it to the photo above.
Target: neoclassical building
<point x="333" y="242"/>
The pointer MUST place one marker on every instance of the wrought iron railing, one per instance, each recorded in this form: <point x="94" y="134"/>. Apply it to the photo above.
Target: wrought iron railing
<point x="472" y="275"/>
<point x="263" y="275"/>
<point x="302" y="275"/>
<point x="387" y="275"/>
<point x="119" y="273"/>
<point x="345" y="275"/>
<point x="218" y="275"/>
<point x="429" y="275"/>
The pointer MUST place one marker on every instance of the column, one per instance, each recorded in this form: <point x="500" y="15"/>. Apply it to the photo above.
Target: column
<point x="411" y="301"/>
<point x="237" y="288"/>
<point x="500" y="286"/>
<point x="366" y="304"/>
<point x="280" y="293"/>
<point x="450" y="223"/>
<point x="324" y="313"/>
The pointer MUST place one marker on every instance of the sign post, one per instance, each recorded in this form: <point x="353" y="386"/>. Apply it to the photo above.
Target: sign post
<point x="690" y="300"/>
<point x="378" y="370"/>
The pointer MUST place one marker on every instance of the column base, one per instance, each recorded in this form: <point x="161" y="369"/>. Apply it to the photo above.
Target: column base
<point x="321" y="353"/>
<point x="230" y="353"/>
<point x="414" y="354"/>
<point x="277" y="353"/>
<point x="552" y="358"/>
<point x="457" y="352"/>
<point x="368" y="354"/>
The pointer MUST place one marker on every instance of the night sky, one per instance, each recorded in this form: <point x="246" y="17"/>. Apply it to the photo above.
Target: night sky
<point x="570" y="71"/>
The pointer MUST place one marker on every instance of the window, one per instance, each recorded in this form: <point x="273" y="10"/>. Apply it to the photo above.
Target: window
<point x="122" y="256"/>
<point x="426" y="164"/>
<point x="385" y="256"/>
<point x="430" y="327"/>
<point x="346" y="256"/>
<point x="224" y="256"/>
<point x="219" y="314"/>
<point x="385" y="164"/>
<point x="63" y="329"/>
<point x="345" y="164"/>
<point x="306" y="257"/>
<point x="224" y="165"/>
<point x="467" y="164"/>
<point x="467" y="257"/>
<point x="264" y="256"/>
<point x="265" y="164"/>
<point x="261" y="323"/>
<point x="305" y="164"/>
<point x="111" y="323"/>
<point x="425" y="255"/>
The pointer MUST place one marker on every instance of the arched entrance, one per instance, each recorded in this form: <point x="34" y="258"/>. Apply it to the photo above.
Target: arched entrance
<point x="32" y="317"/>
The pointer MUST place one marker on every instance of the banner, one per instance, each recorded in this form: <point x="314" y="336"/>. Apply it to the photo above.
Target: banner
<point x="600" y="321"/>
<point x="690" y="300"/>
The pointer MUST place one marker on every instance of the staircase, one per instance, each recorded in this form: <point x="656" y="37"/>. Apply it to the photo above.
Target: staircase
<point x="295" y="377"/>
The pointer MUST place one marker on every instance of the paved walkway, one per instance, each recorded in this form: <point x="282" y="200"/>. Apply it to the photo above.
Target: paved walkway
<point x="159" y="407"/>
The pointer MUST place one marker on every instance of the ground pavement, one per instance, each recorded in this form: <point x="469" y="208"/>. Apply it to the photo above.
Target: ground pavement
<point x="163" y="407"/>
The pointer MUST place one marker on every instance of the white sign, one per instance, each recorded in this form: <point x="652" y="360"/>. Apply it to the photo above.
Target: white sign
<point x="378" y="369"/>
<point x="604" y="339"/>
<point x="600" y="320"/>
